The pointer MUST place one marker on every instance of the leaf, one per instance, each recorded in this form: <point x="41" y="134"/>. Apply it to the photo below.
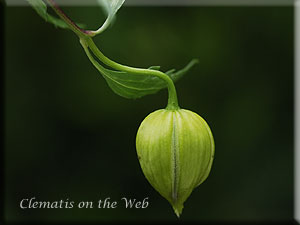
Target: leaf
<point x="41" y="8"/>
<point x="135" y="85"/>
<point x="131" y="85"/>
<point x="176" y="76"/>
<point x="169" y="72"/>
<point x="154" y="68"/>
<point x="111" y="7"/>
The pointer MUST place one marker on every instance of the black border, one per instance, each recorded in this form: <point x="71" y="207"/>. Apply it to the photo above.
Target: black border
<point x="2" y="69"/>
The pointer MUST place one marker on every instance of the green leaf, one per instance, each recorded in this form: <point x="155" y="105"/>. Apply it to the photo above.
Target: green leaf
<point x="132" y="85"/>
<point x="169" y="72"/>
<point x="177" y="75"/>
<point x="41" y="8"/>
<point x="111" y="7"/>
<point x="135" y="84"/>
<point x="154" y="68"/>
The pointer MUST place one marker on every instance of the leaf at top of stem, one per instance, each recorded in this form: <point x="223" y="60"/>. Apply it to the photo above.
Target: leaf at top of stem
<point x="41" y="8"/>
<point x="111" y="7"/>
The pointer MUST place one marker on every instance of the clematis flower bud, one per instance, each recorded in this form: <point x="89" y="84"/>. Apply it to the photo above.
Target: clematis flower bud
<point x="175" y="149"/>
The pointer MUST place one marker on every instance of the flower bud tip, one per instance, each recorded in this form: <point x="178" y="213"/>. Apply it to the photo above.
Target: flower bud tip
<point x="178" y="209"/>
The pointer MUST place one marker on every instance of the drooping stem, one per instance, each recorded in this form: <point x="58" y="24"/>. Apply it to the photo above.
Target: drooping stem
<point x="87" y="42"/>
<point x="73" y="26"/>
<point x="172" y="100"/>
<point x="93" y="33"/>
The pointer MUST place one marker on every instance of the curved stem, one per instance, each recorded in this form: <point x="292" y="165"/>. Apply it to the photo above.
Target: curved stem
<point x="93" y="33"/>
<point x="172" y="100"/>
<point x="86" y="41"/>
<point x="73" y="26"/>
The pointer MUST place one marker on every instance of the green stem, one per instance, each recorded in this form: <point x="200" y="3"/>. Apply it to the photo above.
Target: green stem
<point x="86" y="41"/>
<point x="100" y="29"/>
<point x="73" y="26"/>
<point x="172" y="100"/>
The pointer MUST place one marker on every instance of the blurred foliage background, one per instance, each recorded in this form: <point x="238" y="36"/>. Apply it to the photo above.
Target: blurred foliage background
<point x="68" y="136"/>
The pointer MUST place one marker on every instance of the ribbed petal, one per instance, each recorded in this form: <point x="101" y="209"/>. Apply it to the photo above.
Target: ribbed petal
<point x="175" y="149"/>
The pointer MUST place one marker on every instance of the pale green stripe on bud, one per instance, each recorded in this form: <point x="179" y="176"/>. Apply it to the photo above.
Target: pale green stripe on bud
<point x="175" y="149"/>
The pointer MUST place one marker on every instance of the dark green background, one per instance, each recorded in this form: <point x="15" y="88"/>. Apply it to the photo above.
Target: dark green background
<point x="67" y="135"/>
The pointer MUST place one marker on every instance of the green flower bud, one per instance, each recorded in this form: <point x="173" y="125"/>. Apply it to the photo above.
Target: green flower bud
<point x="175" y="150"/>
